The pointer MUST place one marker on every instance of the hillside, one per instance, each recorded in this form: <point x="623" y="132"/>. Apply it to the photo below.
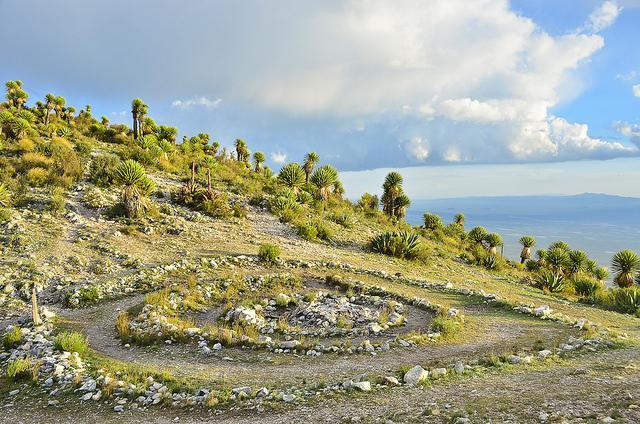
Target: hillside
<point x="189" y="282"/>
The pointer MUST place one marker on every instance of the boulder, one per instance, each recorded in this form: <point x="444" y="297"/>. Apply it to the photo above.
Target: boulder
<point x="416" y="375"/>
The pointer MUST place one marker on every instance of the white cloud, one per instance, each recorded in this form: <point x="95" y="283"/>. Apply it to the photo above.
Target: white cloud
<point x="636" y="90"/>
<point x="477" y="79"/>
<point x="603" y="17"/>
<point x="278" y="157"/>
<point x="417" y="148"/>
<point x="196" y="101"/>
<point x="629" y="130"/>
<point x="628" y="76"/>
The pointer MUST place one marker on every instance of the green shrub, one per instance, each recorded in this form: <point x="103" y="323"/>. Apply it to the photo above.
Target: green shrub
<point x="532" y="265"/>
<point x="70" y="341"/>
<point x="344" y="219"/>
<point x="400" y="244"/>
<point x="307" y="232"/>
<point x="12" y="339"/>
<point x="57" y="202"/>
<point x="19" y="368"/>
<point x="269" y="253"/>
<point x="286" y="208"/>
<point x="103" y="170"/>
<point x="549" y="281"/>
<point x="627" y="299"/>
<point x="448" y="327"/>
<point x="432" y="221"/>
<point x="324" y="232"/>
<point x="585" y="286"/>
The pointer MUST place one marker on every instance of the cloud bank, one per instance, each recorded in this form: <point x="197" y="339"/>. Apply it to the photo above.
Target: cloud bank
<point x="372" y="82"/>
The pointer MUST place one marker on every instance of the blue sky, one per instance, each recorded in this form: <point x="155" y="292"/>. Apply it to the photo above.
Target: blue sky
<point x="486" y="87"/>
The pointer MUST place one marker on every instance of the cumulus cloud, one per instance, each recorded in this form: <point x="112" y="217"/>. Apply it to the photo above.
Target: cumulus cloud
<point x="278" y="157"/>
<point x="196" y="101"/>
<point x="603" y="17"/>
<point x="636" y="90"/>
<point x="474" y="78"/>
<point x="417" y="148"/>
<point x="629" y="130"/>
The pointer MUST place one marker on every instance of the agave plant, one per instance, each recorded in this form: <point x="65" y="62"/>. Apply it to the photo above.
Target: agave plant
<point x="323" y="179"/>
<point x="577" y="261"/>
<point x="625" y="264"/>
<point x="493" y="240"/>
<point x="527" y="243"/>
<point x="20" y="128"/>
<point x="557" y="259"/>
<point x="282" y="206"/>
<point x="292" y="176"/>
<point x="490" y="262"/>
<point x="550" y="281"/>
<point x="136" y="187"/>
<point x="628" y="299"/>
<point x="432" y="221"/>
<point x="402" y="244"/>
<point x="478" y="234"/>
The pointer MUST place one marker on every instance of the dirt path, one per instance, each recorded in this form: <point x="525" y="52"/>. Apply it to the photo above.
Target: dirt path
<point x="249" y="367"/>
<point x="587" y="389"/>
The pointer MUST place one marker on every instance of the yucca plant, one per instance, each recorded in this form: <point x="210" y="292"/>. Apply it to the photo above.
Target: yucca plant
<point x="541" y="254"/>
<point x="323" y="180"/>
<point x="431" y="221"/>
<point x="590" y="266"/>
<point x="490" y="262"/>
<point x="392" y="188"/>
<point x="459" y="219"/>
<point x="284" y="207"/>
<point x="557" y="259"/>
<point x="560" y="245"/>
<point x="532" y="265"/>
<point x="478" y="234"/>
<point x="401" y="244"/>
<point x="527" y="243"/>
<point x="585" y="286"/>
<point x="400" y="207"/>
<point x="292" y="176"/>
<point x="628" y="299"/>
<point x="601" y="274"/>
<point x="258" y="160"/>
<point x="577" y="261"/>
<point x="136" y="187"/>
<point x="493" y="240"/>
<point x="625" y="264"/>
<point x="549" y="281"/>
<point x="310" y="160"/>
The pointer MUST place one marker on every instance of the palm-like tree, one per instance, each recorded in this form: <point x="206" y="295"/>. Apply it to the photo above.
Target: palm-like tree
<point x="527" y="243"/>
<point x="323" y="180"/>
<point x="292" y="176"/>
<point x="258" y="160"/>
<point x="142" y="119"/>
<point x="242" y="153"/>
<point x="49" y="103"/>
<point x="493" y="240"/>
<point x="560" y="245"/>
<point x="577" y="261"/>
<point x="338" y="189"/>
<point x="136" y="107"/>
<point x="601" y="274"/>
<point x="16" y="96"/>
<point x="541" y="254"/>
<point x="310" y="160"/>
<point x="136" y="187"/>
<point x="459" y="219"/>
<point x="392" y="188"/>
<point x="478" y="234"/>
<point x="58" y="106"/>
<point x="625" y="264"/>
<point x="69" y="113"/>
<point x="400" y="206"/>
<point x="557" y="259"/>
<point x="167" y="148"/>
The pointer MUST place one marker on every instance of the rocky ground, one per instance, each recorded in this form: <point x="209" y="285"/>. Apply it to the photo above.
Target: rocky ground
<point x="357" y="341"/>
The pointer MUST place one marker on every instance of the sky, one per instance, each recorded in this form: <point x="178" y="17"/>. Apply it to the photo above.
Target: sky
<point x="439" y="89"/>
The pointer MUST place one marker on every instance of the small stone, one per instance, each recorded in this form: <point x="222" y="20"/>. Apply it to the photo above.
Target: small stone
<point x="391" y="381"/>
<point x="459" y="367"/>
<point x="364" y="386"/>
<point x="543" y="417"/>
<point x="289" y="397"/>
<point x="14" y="392"/>
<point x="438" y="372"/>
<point x="514" y="359"/>
<point x="543" y="354"/>
<point x="118" y="408"/>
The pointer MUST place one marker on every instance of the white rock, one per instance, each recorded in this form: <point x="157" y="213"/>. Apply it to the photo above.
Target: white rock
<point x="438" y="372"/>
<point x="118" y="408"/>
<point x="514" y="359"/>
<point x="416" y="375"/>
<point x="458" y="367"/>
<point x="289" y="397"/>
<point x="542" y="310"/>
<point x="543" y="354"/>
<point x="364" y="386"/>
